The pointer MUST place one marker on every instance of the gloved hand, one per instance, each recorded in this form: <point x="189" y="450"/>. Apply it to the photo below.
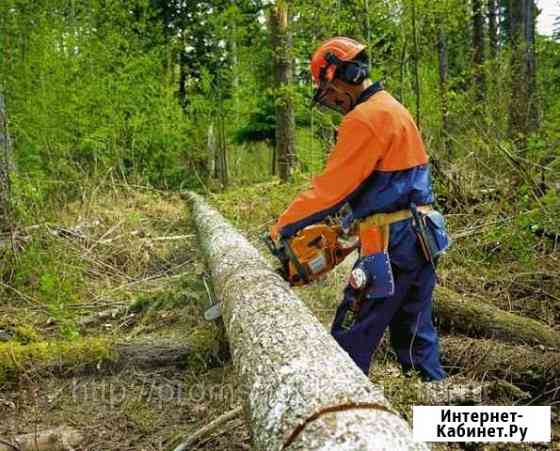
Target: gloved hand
<point x="347" y="221"/>
<point x="274" y="232"/>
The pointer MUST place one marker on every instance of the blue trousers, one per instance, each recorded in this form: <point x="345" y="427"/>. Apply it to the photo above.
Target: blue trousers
<point x="408" y="313"/>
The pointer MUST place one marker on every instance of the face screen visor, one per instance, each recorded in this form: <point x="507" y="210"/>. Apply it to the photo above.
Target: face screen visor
<point x="323" y="88"/>
<point x="320" y="94"/>
<point x="320" y="99"/>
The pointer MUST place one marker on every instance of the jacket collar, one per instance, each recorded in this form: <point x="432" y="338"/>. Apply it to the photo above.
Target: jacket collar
<point x="369" y="92"/>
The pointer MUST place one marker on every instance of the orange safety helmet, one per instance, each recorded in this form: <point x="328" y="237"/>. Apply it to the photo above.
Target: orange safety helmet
<point x="344" y="49"/>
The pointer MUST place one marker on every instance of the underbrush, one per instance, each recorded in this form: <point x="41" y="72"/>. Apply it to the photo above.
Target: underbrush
<point x="120" y="249"/>
<point x="118" y="270"/>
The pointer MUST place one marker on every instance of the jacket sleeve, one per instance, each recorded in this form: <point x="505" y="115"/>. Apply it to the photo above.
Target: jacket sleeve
<point x="353" y="159"/>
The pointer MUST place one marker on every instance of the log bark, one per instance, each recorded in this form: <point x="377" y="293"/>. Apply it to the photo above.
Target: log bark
<point x="59" y="439"/>
<point x="301" y="390"/>
<point x="478" y="319"/>
<point x="531" y="369"/>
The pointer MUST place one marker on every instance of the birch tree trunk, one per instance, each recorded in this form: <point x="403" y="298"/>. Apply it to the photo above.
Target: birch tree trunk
<point x="222" y="172"/>
<point x="301" y="390"/>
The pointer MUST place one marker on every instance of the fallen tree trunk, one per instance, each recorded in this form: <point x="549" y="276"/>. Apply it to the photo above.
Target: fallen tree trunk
<point x="474" y="318"/>
<point x="301" y="390"/>
<point x="59" y="439"/>
<point x="531" y="369"/>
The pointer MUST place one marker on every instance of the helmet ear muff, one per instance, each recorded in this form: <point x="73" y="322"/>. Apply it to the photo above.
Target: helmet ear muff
<point x="351" y="72"/>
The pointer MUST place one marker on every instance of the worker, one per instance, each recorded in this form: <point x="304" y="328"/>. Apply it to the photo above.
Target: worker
<point x="379" y="168"/>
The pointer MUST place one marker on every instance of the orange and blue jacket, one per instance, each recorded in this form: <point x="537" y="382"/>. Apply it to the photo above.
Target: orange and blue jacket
<point x="378" y="165"/>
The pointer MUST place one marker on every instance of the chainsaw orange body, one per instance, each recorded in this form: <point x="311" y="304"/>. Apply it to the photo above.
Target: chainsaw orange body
<point x="311" y="253"/>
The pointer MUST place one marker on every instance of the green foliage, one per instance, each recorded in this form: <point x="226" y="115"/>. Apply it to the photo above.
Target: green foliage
<point x="260" y="125"/>
<point x="42" y="276"/>
<point x="87" y="93"/>
<point x="254" y="207"/>
<point x="206" y="342"/>
<point x="116" y="92"/>
<point x="187" y="291"/>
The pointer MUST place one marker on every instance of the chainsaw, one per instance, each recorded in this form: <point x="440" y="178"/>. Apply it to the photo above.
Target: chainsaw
<point x="311" y="253"/>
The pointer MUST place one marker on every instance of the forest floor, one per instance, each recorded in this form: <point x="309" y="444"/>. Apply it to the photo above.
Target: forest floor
<point x="132" y="254"/>
<point x="125" y="248"/>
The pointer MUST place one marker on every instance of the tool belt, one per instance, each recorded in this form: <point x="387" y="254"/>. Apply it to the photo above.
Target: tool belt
<point x="374" y="229"/>
<point x="374" y="267"/>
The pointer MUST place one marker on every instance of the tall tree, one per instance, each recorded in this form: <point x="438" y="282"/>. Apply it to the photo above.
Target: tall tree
<point x="531" y="63"/>
<point x="442" y="53"/>
<point x="285" y="119"/>
<point x="221" y="156"/>
<point x="478" y="50"/>
<point x="417" y="88"/>
<point x="523" y="117"/>
<point x="6" y="220"/>
<point x="493" y="28"/>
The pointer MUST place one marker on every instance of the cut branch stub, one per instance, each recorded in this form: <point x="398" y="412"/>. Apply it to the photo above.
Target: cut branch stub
<point x="301" y="390"/>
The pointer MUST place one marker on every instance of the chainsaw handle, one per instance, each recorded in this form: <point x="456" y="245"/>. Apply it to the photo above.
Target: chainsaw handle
<point x="270" y="244"/>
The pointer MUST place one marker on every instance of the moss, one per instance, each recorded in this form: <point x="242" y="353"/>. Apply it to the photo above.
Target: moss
<point x="16" y="358"/>
<point x="26" y="334"/>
